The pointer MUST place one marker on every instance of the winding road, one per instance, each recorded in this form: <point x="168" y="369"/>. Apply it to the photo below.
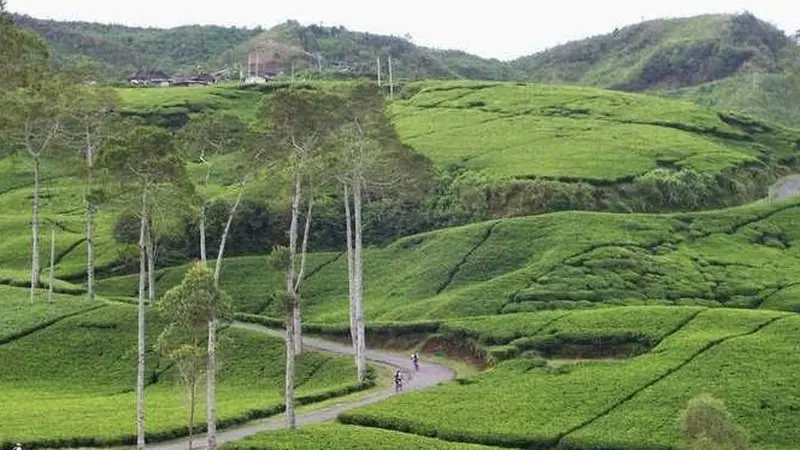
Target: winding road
<point x="429" y="375"/>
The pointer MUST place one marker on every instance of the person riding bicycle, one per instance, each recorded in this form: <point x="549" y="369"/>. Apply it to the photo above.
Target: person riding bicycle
<point x="18" y="446"/>
<point x="415" y="360"/>
<point x="398" y="380"/>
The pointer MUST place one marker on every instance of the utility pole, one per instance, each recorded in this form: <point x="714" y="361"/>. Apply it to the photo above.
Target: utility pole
<point x="379" y="71"/>
<point x="391" y="80"/>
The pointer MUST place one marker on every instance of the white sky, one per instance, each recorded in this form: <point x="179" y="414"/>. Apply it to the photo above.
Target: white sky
<point x="502" y="29"/>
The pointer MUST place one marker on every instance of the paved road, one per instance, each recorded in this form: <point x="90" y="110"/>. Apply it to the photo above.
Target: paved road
<point x="429" y="374"/>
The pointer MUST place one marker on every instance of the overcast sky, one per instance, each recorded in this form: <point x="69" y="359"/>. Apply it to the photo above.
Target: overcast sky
<point x="502" y="29"/>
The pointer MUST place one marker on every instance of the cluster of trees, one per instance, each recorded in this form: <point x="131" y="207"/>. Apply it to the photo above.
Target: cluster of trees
<point x="120" y="50"/>
<point x="318" y="140"/>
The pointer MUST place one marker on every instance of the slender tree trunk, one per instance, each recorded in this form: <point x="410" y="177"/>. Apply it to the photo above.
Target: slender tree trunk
<point x="224" y="239"/>
<point x="290" y="357"/>
<point x="35" y="277"/>
<point x="151" y="266"/>
<point x="291" y="304"/>
<point x="202" y="226"/>
<point x="350" y="273"/>
<point x="358" y="277"/>
<point x="192" y="403"/>
<point x="298" y="324"/>
<point x="211" y="384"/>
<point x="90" y="251"/>
<point x="141" y="342"/>
<point x="90" y="212"/>
<point x="52" y="266"/>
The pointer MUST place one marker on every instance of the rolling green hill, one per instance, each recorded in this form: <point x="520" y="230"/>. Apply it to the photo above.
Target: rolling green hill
<point x="499" y="150"/>
<point x="664" y="53"/>
<point x="742" y="257"/>
<point x="531" y="148"/>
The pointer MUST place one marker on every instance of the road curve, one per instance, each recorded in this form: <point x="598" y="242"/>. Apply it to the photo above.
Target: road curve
<point x="429" y="375"/>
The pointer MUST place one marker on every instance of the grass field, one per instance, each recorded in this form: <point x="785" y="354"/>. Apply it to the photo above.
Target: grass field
<point x="527" y="403"/>
<point x="552" y="261"/>
<point x="72" y="382"/>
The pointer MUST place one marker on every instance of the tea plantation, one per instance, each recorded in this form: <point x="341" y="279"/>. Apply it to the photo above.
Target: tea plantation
<point x="596" y="324"/>
<point x="621" y="404"/>
<point x="740" y="257"/>
<point x="69" y="373"/>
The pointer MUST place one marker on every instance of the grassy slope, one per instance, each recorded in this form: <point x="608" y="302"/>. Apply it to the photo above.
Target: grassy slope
<point x="562" y="132"/>
<point x="21" y="317"/>
<point x="770" y="97"/>
<point x="73" y="380"/>
<point x="560" y="260"/>
<point x="522" y="403"/>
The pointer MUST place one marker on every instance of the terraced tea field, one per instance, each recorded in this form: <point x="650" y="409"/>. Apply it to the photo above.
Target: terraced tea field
<point x="622" y="404"/>
<point x="740" y="257"/>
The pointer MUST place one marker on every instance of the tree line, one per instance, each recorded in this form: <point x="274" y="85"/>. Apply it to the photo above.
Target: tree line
<point x="315" y="139"/>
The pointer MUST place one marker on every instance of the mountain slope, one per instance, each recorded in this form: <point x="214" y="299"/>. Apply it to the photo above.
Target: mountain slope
<point x="121" y="49"/>
<point x="664" y="53"/>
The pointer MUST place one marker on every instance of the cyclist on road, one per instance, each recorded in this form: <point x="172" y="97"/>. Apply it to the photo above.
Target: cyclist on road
<point x="398" y="381"/>
<point x="415" y="360"/>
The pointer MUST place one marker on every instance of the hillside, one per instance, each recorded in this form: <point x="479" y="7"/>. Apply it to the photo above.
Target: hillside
<point x="664" y="53"/>
<point x="769" y="96"/>
<point x="539" y="145"/>
<point x="743" y="257"/>
<point x="337" y="51"/>
<point x="496" y="150"/>
<point x="121" y="50"/>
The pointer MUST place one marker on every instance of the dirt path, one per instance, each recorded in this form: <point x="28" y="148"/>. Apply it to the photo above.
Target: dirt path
<point x="429" y="375"/>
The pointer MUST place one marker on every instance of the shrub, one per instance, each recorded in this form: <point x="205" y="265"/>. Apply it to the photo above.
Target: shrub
<point x="707" y="425"/>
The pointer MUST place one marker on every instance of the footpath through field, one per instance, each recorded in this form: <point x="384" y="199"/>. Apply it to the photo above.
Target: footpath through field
<point x="429" y="375"/>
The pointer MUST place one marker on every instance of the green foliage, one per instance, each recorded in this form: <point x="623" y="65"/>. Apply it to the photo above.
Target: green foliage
<point x="121" y="50"/>
<point x="23" y="55"/>
<point x="195" y="301"/>
<point x="144" y="156"/>
<point x="327" y="436"/>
